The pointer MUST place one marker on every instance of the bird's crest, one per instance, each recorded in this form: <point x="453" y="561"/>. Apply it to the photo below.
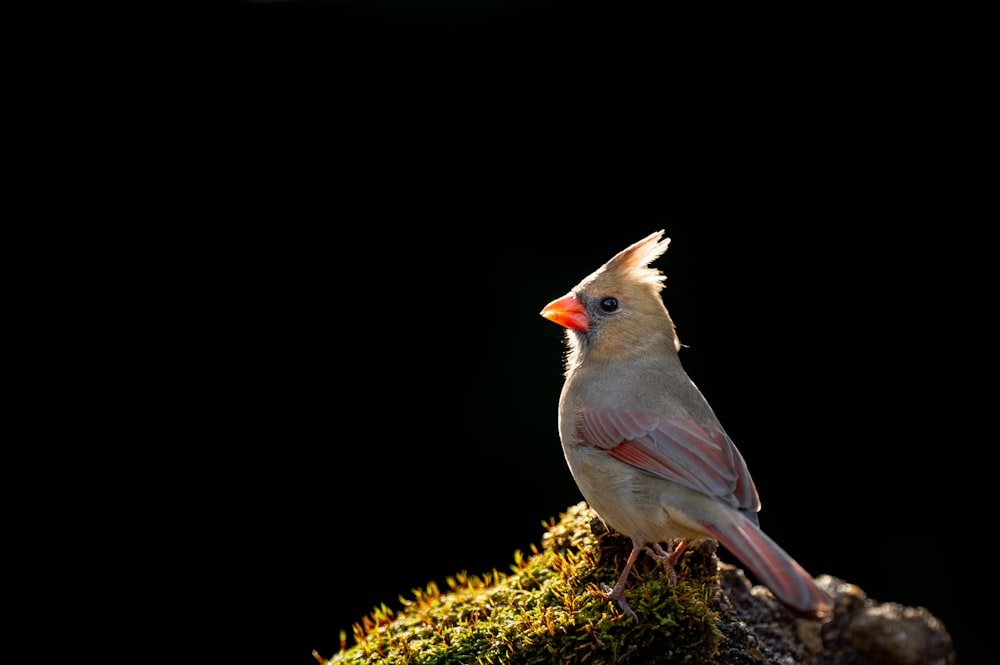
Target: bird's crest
<point x="632" y="263"/>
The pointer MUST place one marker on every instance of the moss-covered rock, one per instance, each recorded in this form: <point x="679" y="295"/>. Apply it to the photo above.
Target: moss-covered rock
<point x="549" y="609"/>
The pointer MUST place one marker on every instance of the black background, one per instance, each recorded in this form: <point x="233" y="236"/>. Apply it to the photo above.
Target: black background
<point x="369" y="207"/>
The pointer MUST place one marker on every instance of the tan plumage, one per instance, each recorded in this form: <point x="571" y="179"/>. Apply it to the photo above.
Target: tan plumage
<point x="645" y="448"/>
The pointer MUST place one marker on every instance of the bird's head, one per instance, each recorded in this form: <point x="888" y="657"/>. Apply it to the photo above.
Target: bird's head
<point x="616" y="311"/>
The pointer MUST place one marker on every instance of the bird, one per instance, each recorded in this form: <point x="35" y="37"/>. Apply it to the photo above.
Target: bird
<point x="643" y="444"/>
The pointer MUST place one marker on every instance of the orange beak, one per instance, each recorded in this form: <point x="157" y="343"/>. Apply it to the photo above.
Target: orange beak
<point x="567" y="312"/>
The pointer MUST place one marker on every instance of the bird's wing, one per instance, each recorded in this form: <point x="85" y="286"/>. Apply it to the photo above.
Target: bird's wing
<point x="676" y="449"/>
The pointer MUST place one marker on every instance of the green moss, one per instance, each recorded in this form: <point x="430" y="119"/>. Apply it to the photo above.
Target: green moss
<point x="548" y="609"/>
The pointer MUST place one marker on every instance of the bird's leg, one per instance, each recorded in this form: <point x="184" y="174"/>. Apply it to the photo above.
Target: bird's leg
<point x="618" y="592"/>
<point x="667" y="558"/>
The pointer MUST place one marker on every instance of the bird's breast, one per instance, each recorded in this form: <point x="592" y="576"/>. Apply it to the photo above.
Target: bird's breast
<point x="630" y="501"/>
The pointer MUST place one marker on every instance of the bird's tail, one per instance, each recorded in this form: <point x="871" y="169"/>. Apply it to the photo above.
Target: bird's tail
<point x="792" y="585"/>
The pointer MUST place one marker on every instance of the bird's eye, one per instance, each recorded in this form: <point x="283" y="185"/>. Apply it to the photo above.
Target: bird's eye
<point x="609" y="304"/>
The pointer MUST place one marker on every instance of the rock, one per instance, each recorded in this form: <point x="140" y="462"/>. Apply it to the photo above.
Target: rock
<point x="861" y="632"/>
<point x="548" y="610"/>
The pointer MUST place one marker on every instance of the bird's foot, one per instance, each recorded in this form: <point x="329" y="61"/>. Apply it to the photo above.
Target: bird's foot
<point x="618" y="594"/>
<point x="667" y="558"/>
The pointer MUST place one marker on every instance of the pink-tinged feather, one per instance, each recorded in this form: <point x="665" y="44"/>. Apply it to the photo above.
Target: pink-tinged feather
<point x="789" y="582"/>
<point x="674" y="449"/>
<point x="638" y="456"/>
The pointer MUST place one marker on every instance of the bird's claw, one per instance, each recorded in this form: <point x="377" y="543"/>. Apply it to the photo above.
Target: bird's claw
<point x="626" y="609"/>
<point x="618" y="595"/>
<point x="667" y="558"/>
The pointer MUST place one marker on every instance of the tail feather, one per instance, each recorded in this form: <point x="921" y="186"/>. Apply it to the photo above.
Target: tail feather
<point x="789" y="582"/>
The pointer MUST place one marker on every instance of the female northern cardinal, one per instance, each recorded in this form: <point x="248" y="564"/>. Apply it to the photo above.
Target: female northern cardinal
<point x="643" y="444"/>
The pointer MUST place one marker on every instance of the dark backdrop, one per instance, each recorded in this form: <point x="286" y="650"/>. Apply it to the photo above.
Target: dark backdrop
<point x="372" y="209"/>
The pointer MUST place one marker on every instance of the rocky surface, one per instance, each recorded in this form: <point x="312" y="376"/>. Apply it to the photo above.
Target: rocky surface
<point x="547" y="610"/>
<point x="757" y="629"/>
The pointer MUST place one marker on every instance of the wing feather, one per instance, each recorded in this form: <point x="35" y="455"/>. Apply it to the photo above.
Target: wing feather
<point x="676" y="449"/>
